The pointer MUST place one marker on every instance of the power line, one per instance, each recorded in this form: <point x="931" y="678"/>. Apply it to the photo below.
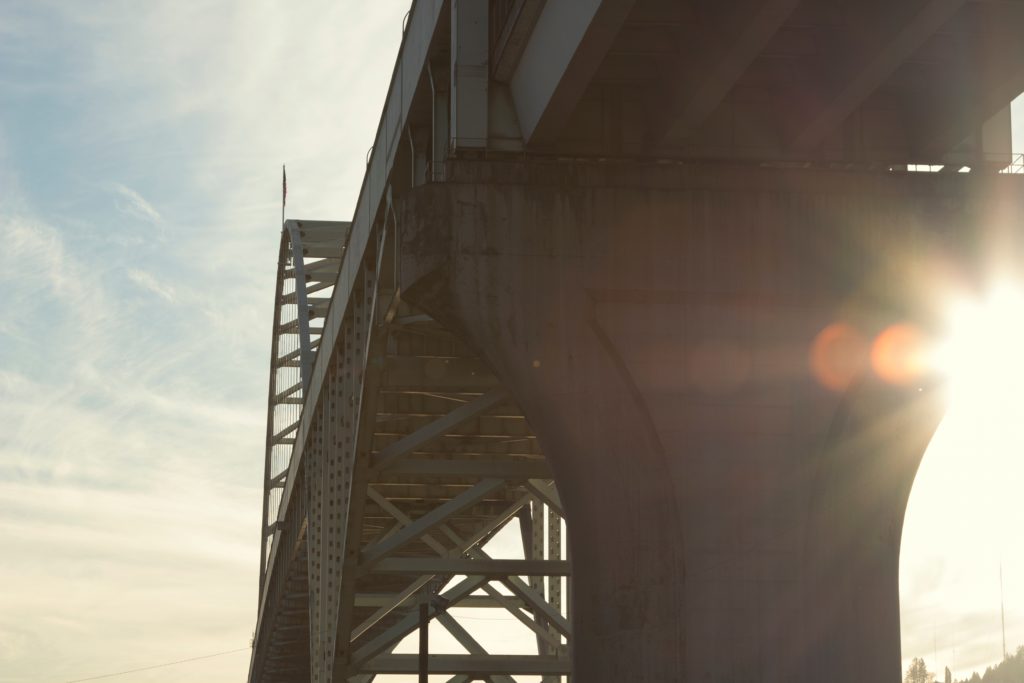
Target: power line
<point x="157" y="666"/>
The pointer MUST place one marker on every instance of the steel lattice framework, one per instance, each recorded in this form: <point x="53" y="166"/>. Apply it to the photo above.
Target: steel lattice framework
<point x="386" y="475"/>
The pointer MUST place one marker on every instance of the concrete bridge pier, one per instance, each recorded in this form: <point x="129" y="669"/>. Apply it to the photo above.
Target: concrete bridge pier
<point x="692" y="346"/>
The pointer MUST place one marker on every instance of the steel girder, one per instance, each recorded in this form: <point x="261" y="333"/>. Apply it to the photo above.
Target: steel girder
<point x="411" y="457"/>
<point x="308" y="261"/>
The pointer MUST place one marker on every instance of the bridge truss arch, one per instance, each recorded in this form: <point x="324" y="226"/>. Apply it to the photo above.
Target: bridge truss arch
<point x="393" y="457"/>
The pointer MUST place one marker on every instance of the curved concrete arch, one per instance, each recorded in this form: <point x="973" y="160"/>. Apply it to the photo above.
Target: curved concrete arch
<point x="861" y="486"/>
<point x="610" y="297"/>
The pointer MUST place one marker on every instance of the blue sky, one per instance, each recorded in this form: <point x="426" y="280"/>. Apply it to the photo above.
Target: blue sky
<point x="140" y="152"/>
<point x="140" y="158"/>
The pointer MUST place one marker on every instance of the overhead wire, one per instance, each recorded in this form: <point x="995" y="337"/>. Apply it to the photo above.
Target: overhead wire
<point x="157" y="666"/>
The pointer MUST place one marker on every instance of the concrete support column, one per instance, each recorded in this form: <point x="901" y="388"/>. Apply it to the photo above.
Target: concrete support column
<point x="731" y="517"/>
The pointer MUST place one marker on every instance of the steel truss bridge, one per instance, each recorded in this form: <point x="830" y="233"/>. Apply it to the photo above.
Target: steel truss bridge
<point x="391" y="461"/>
<point x="640" y="214"/>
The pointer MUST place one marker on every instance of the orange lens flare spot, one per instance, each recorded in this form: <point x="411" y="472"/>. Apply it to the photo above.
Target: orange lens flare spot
<point x="899" y="355"/>
<point x="838" y="354"/>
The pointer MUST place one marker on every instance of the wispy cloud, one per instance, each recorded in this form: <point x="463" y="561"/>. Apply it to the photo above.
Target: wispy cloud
<point x="135" y="204"/>
<point x="149" y="283"/>
<point x="133" y="361"/>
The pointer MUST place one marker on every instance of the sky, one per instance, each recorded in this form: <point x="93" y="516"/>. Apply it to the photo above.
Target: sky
<point x="140" y="152"/>
<point x="141" y="146"/>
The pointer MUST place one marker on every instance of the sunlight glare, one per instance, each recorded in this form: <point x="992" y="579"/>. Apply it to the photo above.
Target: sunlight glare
<point x="964" y="515"/>
<point x="983" y="356"/>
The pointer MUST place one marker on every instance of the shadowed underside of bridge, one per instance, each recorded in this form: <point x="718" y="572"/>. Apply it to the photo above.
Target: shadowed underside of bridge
<point x="601" y="243"/>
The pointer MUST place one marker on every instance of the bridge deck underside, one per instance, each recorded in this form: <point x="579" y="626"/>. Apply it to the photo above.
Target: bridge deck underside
<point x="858" y="82"/>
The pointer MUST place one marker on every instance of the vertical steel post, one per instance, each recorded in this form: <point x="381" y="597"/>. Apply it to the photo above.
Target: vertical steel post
<point x="536" y="552"/>
<point x="470" y="74"/>
<point x="298" y="267"/>
<point x="424" y="637"/>
<point x="554" y="582"/>
<point x="265" y="534"/>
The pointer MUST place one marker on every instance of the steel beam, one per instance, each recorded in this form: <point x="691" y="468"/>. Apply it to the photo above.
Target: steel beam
<point x="302" y="318"/>
<point x="423" y="374"/>
<point x="511" y="41"/>
<point x="440" y="94"/>
<point x="390" y="606"/>
<point x="439" y="428"/>
<point x="479" y="567"/>
<point x="371" y="309"/>
<point x="460" y="546"/>
<point x="470" y="74"/>
<point x="546" y="493"/>
<point x="554" y="596"/>
<point x="503" y="469"/>
<point x="532" y="598"/>
<point x="467" y="641"/>
<point x="403" y="520"/>
<point x="375" y="553"/>
<point x="512" y="607"/>
<point x="473" y="601"/>
<point x="473" y="665"/>
<point x="412" y="60"/>
<point x="520" y="589"/>
<point x="565" y="48"/>
<point x="537" y="602"/>
<point x="410" y="622"/>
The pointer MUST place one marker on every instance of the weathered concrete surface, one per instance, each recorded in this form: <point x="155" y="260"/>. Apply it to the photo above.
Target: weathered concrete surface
<point x="730" y="518"/>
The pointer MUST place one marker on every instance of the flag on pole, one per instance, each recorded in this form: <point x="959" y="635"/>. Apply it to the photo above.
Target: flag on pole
<point x="284" y="186"/>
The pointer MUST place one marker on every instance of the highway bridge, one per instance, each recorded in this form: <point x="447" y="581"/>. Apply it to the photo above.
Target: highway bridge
<point x="621" y="262"/>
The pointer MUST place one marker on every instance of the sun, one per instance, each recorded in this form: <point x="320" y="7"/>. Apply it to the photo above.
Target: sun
<point x="964" y="516"/>
<point x="982" y="356"/>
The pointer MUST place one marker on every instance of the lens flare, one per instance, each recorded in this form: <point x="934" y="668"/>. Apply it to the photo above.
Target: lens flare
<point x="899" y="355"/>
<point x="838" y="355"/>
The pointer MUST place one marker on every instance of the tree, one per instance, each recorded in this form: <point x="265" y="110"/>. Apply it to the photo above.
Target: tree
<point x="917" y="672"/>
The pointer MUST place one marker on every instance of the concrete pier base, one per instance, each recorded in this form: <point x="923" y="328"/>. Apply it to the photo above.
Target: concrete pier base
<point x="734" y="492"/>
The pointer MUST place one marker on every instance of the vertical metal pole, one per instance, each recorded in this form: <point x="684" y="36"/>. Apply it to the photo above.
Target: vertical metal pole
<point x="298" y="267"/>
<point x="424" y="638"/>
<point x="1002" y="610"/>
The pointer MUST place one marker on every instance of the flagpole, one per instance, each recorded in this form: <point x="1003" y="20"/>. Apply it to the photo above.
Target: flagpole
<point x="284" y="192"/>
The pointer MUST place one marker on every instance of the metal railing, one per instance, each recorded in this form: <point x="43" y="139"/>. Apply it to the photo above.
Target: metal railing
<point x="998" y="163"/>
